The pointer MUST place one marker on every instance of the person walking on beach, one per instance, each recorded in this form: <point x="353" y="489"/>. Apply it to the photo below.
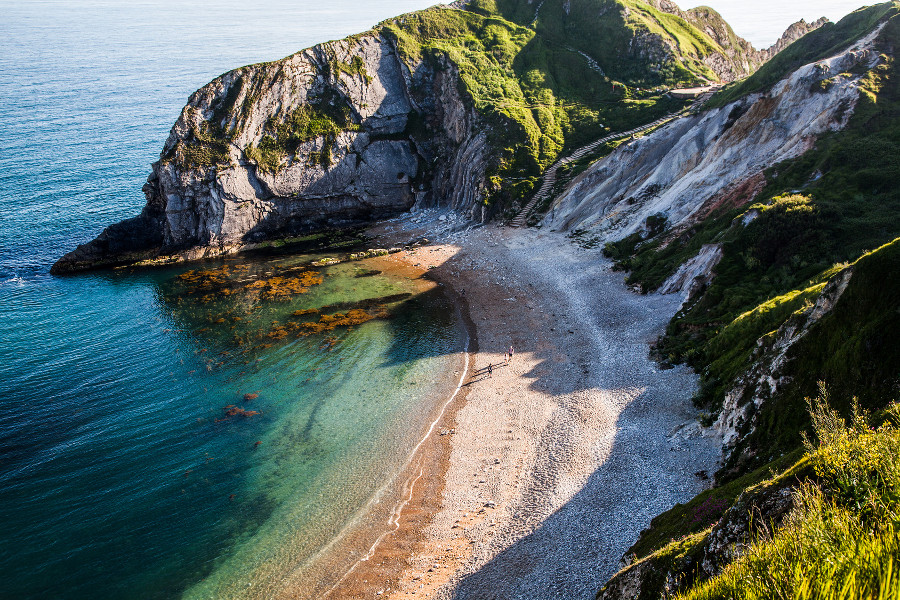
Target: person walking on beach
<point x="490" y="370"/>
<point x="510" y="355"/>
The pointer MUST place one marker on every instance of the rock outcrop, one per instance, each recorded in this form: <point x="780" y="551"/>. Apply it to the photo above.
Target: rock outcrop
<point x="791" y="34"/>
<point x="356" y="130"/>
<point x="673" y="570"/>
<point x="693" y="275"/>
<point x="339" y="134"/>
<point x="736" y="58"/>
<point x="765" y="375"/>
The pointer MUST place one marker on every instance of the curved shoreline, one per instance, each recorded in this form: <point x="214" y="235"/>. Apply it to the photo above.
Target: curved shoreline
<point x="470" y="346"/>
<point x="560" y="458"/>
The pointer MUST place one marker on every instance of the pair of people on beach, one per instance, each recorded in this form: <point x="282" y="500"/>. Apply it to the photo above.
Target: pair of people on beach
<point x="507" y="357"/>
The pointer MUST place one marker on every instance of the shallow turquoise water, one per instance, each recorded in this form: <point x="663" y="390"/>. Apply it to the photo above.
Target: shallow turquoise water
<point x="121" y="471"/>
<point x="120" y="475"/>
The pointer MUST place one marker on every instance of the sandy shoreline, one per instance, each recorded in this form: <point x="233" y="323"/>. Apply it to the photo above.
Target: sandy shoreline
<point x="547" y="470"/>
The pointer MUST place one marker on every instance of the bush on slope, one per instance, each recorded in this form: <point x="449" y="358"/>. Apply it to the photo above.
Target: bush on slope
<point x="836" y="537"/>
<point x="842" y="539"/>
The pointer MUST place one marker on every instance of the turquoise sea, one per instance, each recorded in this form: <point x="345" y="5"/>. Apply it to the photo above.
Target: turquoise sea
<point x="205" y="431"/>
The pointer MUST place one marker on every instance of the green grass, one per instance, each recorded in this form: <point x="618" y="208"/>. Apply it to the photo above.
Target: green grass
<point x="692" y="44"/>
<point x="825" y="208"/>
<point x="853" y="347"/>
<point x="839" y="539"/>
<point x="842" y="538"/>
<point x="602" y="30"/>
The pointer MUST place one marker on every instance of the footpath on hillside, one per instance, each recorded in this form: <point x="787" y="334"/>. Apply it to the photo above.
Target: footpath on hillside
<point x="549" y="178"/>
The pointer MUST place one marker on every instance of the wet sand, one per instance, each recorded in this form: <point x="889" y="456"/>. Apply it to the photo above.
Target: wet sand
<point x="540" y="475"/>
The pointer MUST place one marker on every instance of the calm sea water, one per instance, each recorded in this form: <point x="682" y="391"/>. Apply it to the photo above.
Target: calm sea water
<point x="762" y="22"/>
<point x="121" y="473"/>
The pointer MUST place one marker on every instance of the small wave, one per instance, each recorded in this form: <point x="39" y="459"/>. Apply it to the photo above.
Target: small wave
<point x="14" y="280"/>
<point x="18" y="280"/>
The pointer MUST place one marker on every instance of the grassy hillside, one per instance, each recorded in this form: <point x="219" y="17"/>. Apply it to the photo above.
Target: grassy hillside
<point x="841" y="540"/>
<point x="826" y="41"/>
<point x="544" y="81"/>
<point x="604" y="29"/>
<point x="817" y="214"/>
<point x="836" y="536"/>
<point x="527" y="75"/>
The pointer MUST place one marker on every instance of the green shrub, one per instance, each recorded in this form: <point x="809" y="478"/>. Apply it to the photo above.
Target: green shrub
<point x="325" y="118"/>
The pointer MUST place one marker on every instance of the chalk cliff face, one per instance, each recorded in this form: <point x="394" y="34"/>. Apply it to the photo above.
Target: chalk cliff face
<point x="683" y="172"/>
<point x="693" y="165"/>
<point x="340" y="134"/>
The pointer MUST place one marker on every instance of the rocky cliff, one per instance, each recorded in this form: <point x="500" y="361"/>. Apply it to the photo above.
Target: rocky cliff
<point x="657" y="192"/>
<point x="342" y="133"/>
<point x="791" y="34"/>
<point x="688" y="168"/>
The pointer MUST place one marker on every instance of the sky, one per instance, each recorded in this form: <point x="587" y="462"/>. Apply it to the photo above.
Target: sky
<point x="762" y="22"/>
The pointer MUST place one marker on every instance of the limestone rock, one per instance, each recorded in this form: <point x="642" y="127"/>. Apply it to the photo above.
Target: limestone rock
<point x="698" y="163"/>
<point x="340" y="134"/>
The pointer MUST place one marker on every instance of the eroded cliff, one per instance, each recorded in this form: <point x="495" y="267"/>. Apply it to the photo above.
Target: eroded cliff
<point x="462" y="106"/>
<point x="340" y="134"/>
<point x="686" y="169"/>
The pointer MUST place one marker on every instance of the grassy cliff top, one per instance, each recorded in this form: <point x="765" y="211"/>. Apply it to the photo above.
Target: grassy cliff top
<point x="557" y="74"/>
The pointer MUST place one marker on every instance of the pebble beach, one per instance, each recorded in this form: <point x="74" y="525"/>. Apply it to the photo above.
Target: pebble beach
<point x="539" y="475"/>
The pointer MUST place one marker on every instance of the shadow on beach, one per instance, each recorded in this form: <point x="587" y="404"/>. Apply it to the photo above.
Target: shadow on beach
<point x="574" y="550"/>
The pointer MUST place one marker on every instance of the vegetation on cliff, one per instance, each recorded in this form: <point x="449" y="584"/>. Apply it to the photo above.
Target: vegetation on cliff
<point x="825" y="527"/>
<point x="817" y="214"/>
<point x="827" y="40"/>
<point x="325" y="118"/>
<point x="554" y="75"/>
<point x="545" y="79"/>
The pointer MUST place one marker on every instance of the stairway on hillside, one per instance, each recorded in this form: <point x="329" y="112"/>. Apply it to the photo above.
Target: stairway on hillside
<point x="549" y="178"/>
